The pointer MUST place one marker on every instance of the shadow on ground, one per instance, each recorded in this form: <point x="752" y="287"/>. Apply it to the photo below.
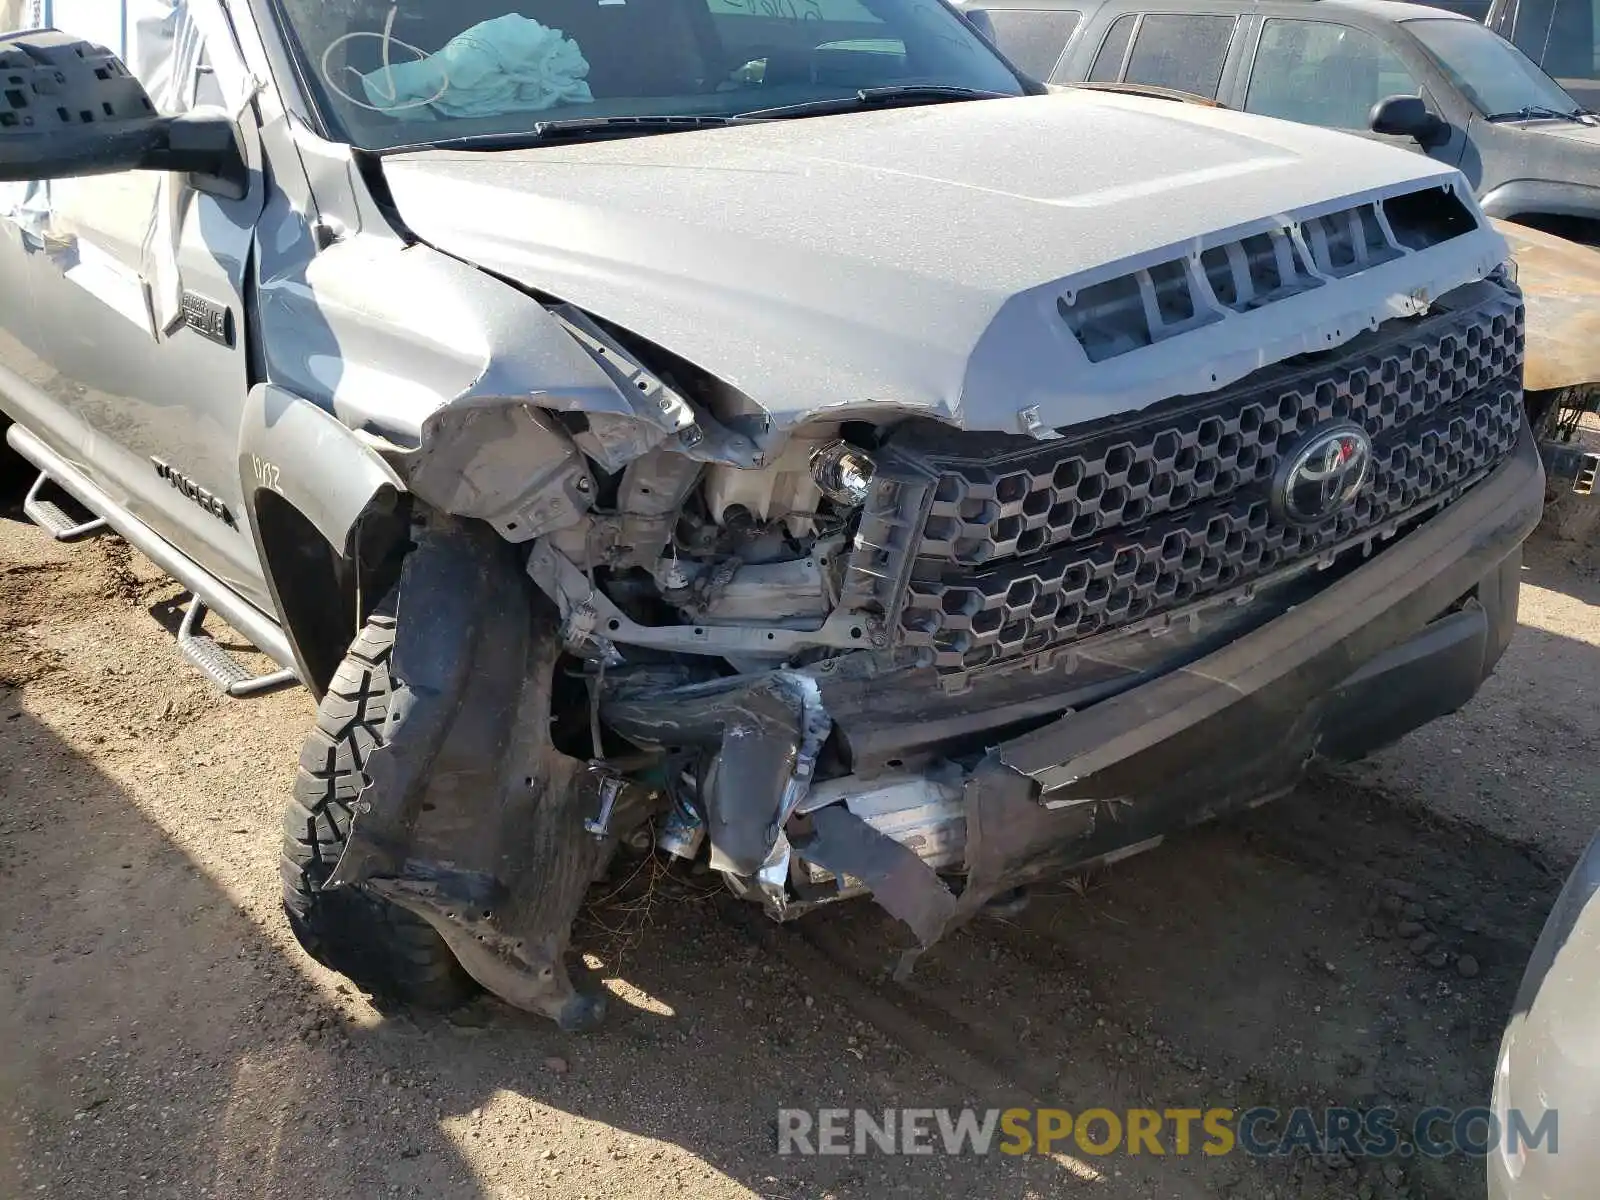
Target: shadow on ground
<point x="1569" y="567"/>
<point x="158" y="1038"/>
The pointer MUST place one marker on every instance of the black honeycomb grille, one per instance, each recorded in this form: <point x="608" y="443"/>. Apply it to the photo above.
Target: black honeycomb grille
<point x="1037" y="544"/>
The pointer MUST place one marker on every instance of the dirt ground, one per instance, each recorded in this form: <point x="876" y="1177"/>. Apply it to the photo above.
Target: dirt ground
<point x="164" y="1036"/>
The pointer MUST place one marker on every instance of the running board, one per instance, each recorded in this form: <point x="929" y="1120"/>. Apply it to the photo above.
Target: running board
<point x="52" y="518"/>
<point x="227" y="672"/>
<point x="254" y="626"/>
<point x="1563" y="460"/>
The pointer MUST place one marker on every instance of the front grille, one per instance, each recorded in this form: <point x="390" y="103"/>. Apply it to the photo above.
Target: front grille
<point x="981" y="548"/>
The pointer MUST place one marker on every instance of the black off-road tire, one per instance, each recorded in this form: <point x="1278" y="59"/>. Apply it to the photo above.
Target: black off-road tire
<point x="16" y="472"/>
<point x="386" y="950"/>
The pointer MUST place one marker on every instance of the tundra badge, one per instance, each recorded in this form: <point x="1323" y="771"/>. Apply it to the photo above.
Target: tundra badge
<point x="195" y="492"/>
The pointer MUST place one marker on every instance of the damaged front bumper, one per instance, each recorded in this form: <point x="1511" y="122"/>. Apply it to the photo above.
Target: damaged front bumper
<point x="476" y="821"/>
<point x="1405" y="637"/>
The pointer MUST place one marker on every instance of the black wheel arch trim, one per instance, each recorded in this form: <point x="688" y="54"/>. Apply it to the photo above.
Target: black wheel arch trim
<point x="305" y="472"/>
<point x="1555" y="198"/>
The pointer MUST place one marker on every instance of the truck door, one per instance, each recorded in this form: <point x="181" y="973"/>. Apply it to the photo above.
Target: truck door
<point x="141" y="306"/>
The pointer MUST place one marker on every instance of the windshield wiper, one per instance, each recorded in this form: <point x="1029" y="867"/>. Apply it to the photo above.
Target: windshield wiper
<point x="542" y="133"/>
<point x="577" y="129"/>
<point x="1530" y="111"/>
<point x="876" y="97"/>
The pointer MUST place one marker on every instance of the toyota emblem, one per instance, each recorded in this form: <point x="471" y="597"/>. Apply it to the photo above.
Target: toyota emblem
<point x="1323" y="475"/>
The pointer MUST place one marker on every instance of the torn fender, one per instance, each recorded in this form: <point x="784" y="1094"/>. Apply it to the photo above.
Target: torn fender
<point x="470" y="817"/>
<point x="1560" y="283"/>
<point x="504" y="462"/>
<point x="426" y="353"/>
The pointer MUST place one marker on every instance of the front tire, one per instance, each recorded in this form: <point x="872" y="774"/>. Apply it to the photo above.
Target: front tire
<point x="383" y="948"/>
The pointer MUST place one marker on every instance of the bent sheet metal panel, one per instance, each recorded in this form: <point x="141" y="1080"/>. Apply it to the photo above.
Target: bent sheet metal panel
<point x="1560" y="283"/>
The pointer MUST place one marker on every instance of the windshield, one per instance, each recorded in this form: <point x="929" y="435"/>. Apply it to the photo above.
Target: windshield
<point x="1494" y="75"/>
<point x="389" y="73"/>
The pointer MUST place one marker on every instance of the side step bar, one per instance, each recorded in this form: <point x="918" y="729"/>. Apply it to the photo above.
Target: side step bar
<point x="226" y="671"/>
<point x="255" y="626"/>
<point x="1564" y="460"/>
<point x="50" y="517"/>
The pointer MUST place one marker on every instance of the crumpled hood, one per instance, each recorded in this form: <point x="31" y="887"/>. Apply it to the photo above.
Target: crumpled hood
<point x="915" y="257"/>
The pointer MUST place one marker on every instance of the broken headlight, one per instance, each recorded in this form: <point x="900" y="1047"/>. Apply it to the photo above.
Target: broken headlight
<point x="843" y="472"/>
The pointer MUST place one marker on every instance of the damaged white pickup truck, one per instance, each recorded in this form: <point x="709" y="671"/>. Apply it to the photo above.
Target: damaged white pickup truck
<point x="777" y="437"/>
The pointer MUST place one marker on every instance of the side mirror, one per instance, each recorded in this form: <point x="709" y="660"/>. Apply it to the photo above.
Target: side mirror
<point x="1406" y="116"/>
<point x="980" y="20"/>
<point x="69" y="107"/>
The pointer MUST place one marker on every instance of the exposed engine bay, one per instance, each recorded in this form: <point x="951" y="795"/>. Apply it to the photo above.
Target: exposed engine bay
<point x="702" y="633"/>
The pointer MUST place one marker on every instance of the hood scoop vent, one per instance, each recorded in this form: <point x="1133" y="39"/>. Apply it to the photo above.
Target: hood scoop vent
<point x="1151" y="304"/>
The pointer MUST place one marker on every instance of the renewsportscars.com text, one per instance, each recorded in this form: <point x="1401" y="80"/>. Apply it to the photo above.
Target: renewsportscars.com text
<point x="1259" y="1131"/>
